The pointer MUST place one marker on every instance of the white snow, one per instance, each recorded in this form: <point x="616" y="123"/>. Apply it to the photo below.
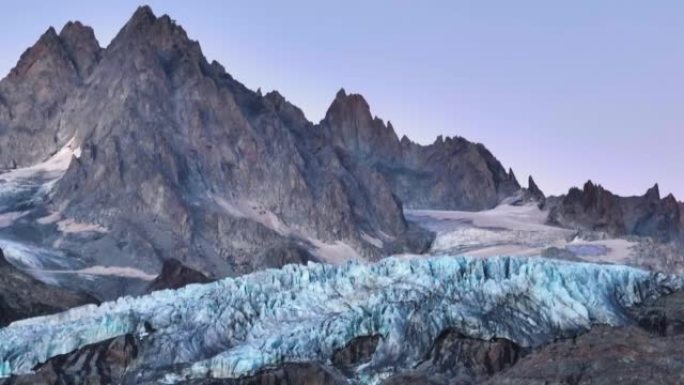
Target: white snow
<point x="518" y="218"/>
<point x="372" y="240"/>
<point x="336" y="252"/>
<point x="510" y="230"/>
<point x="51" y="169"/>
<point x="128" y="272"/>
<point x="22" y="254"/>
<point x="8" y="219"/>
<point x="72" y="226"/>
<point x="243" y="208"/>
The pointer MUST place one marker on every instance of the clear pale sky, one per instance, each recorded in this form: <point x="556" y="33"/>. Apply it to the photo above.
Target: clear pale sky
<point x="565" y="91"/>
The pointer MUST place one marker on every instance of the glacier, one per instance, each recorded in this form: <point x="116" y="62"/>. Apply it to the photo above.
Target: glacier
<point x="238" y="326"/>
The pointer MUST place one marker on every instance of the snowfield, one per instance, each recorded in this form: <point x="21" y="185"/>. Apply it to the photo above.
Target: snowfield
<point x="514" y="230"/>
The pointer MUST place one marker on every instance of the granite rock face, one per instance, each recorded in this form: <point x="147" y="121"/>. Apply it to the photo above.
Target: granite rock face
<point x="450" y="174"/>
<point x="594" y="208"/>
<point x="38" y="89"/>
<point x="602" y="356"/>
<point x="22" y="296"/>
<point x="178" y="160"/>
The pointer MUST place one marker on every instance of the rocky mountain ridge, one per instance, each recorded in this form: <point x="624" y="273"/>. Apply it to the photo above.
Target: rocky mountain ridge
<point x="593" y="208"/>
<point x="176" y="159"/>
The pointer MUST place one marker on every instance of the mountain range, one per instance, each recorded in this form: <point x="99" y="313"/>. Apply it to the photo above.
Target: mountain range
<point x="173" y="158"/>
<point x="143" y="167"/>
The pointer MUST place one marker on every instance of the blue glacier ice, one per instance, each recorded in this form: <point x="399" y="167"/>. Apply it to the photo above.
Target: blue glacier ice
<point x="237" y="326"/>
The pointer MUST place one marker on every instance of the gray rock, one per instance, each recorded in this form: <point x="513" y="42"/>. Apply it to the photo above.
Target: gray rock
<point x="34" y="94"/>
<point x="175" y="275"/>
<point x="451" y="173"/>
<point x="181" y="161"/>
<point x="22" y="296"/>
<point x="602" y="356"/>
<point x="596" y="209"/>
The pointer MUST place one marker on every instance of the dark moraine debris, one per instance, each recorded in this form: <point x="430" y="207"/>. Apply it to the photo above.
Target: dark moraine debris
<point x="603" y="356"/>
<point x="103" y="363"/>
<point x="357" y="352"/>
<point x="175" y="275"/>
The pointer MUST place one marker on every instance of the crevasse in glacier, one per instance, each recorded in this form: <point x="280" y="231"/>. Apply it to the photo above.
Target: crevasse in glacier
<point x="235" y="327"/>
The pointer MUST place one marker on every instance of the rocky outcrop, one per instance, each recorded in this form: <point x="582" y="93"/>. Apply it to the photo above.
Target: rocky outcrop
<point x="596" y="209"/>
<point x="451" y="173"/>
<point x="457" y="359"/>
<point x="175" y="275"/>
<point x="663" y="316"/>
<point x="535" y="192"/>
<point x="103" y="363"/>
<point x="37" y="90"/>
<point x="602" y="356"/>
<point x="22" y="296"/>
<point x="186" y="163"/>
<point x="357" y="352"/>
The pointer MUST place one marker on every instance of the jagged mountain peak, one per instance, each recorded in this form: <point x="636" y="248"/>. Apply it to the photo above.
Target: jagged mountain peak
<point x="653" y="193"/>
<point x="143" y="15"/>
<point x="532" y="185"/>
<point x="47" y="48"/>
<point x="352" y="126"/>
<point x="511" y="176"/>
<point x="341" y="94"/>
<point x="80" y="42"/>
<point x="146" y="29"/>
<point x="349" y="104"/>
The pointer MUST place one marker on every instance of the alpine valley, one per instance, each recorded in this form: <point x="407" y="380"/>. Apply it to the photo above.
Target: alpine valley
<point x="161" y="223"/>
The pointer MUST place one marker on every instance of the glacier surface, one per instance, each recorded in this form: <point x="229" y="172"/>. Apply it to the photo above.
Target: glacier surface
<point x="238" y="326"/>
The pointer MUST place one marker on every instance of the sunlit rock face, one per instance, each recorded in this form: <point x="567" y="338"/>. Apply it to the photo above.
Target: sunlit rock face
<point x="238" y="327"/>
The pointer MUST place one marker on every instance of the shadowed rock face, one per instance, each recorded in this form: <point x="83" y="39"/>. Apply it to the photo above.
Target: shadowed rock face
<point x="186" y="163"/>
<point x="535" y="192"/>
<point x="37" y="90"/>
<point x="357" y="352"/>
<point x="597" y="209"/>
<point x="22" y="296"/>
<point x="451" y="173"/>
<point x="457" y="359"/>
<point x="602" y="356"/>
<point x="662" y="317"/>
<point x="104" y="363"/>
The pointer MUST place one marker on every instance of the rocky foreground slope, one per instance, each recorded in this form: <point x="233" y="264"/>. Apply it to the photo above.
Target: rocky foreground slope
<point x="174" y="158"/>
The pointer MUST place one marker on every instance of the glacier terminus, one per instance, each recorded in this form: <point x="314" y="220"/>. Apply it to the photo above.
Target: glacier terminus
<point x="238" y="326"/>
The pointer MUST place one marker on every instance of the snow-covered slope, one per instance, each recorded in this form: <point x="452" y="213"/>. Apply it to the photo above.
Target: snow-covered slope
<point x="518" y="230"/>
<point x="235" y="327"/>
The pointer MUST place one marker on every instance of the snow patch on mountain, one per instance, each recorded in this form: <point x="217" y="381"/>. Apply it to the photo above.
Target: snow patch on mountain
<point x="515" y="230"/>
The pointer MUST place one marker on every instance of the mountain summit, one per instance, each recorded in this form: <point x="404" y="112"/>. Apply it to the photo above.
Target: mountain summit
<point x="174" y="158"/>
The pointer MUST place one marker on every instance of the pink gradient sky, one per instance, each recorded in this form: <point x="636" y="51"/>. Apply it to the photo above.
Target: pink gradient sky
<point x="563" y="91"/>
